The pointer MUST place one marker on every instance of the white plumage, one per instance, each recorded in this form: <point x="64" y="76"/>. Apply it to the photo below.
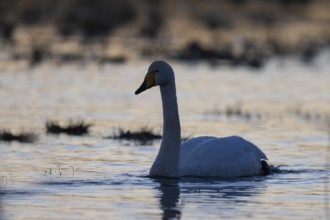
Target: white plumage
<point x="205" y="156"/>
<point x="220" y="157"/>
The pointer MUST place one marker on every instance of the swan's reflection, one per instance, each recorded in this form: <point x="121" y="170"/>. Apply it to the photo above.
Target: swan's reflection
<point x="169" y="197"/>
<point x="1" y="201"/>
<point x="224" y="193"/>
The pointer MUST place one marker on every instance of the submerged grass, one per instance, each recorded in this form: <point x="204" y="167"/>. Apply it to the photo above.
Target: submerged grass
<point x="78" y="127"/>
<point x="22" y="137"/>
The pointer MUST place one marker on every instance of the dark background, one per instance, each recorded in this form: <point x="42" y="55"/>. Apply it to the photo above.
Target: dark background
<point x="230" y="31"/>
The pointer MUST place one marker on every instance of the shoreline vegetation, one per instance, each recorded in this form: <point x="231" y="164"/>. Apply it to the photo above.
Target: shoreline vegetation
<point x="235" y="33"/>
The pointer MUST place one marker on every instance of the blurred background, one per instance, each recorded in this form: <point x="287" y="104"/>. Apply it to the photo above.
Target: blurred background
<point x="234" y="32"/>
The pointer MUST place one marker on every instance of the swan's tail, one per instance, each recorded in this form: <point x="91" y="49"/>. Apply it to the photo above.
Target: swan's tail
<point x="265" y="167"/>
<point x="268" y="169"/>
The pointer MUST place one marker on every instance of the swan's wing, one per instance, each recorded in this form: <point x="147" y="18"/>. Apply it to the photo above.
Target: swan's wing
<point x="223" y="157"/>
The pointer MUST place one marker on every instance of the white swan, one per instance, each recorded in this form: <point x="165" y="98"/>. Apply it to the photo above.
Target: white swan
<point x="201" y="156"/>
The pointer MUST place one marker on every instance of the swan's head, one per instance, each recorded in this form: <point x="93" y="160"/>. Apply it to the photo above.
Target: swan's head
<point x="159" y="73"/>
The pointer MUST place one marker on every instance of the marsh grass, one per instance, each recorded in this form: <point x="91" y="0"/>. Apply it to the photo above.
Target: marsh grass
<point x="74" y="127"/>
<point x="234" y="111"/>
<point x="308" y="116"/>
<point x="300" y="112"/>
<point x="143" y="136"/>
<point x="22" y="137"/>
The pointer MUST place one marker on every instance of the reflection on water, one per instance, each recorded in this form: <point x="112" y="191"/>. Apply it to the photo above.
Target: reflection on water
<point x="226" y="193"/>
<point x="64" y="177"/>
<point x="1" y="200"/>
<point x="169" y="198"/>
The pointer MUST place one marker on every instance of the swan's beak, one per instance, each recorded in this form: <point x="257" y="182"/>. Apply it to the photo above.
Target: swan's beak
<point x="149" y="81"/>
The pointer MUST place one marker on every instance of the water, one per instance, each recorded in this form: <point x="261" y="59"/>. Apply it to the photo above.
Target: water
<point x="285" y="108"/>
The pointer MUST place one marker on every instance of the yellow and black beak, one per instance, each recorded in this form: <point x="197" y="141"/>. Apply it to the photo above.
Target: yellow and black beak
<point x="149" y="81"/>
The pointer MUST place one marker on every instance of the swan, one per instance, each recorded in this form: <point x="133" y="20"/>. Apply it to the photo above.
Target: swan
<point x="206" y="156"/>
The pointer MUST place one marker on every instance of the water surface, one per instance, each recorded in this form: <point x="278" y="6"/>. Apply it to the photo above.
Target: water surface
<point x="285" y="107"/>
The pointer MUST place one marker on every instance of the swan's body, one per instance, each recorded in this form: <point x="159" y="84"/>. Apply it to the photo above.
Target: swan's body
<point x="221" y="157"/>
<point x="202" y="156"/>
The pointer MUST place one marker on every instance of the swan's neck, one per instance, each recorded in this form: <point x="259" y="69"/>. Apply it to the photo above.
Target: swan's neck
<point x="167" y="161"/>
